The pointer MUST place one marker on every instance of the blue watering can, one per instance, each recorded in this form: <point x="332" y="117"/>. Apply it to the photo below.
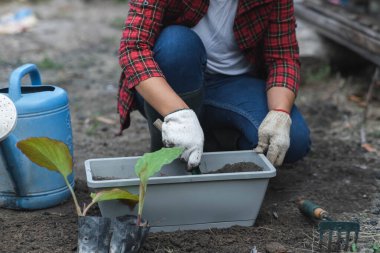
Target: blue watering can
<point x="42" y="111"/>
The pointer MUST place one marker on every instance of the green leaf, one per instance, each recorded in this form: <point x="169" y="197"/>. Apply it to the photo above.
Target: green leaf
<point x="151" y="163"/>
<point x="113" y="194"/>
<point x="148" y="165"/>
<point x="48" y="153"/>
<point x="376" y="247"/>
<point x="354" y="248"/>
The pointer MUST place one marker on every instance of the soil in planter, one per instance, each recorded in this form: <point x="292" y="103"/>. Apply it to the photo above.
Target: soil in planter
<point x="98" y="178"/>
<point x="238" y="167"/>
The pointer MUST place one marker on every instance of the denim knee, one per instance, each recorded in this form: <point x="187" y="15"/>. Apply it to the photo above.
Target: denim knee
<point x="182" y="57"/>
<point x="300" y="141"/>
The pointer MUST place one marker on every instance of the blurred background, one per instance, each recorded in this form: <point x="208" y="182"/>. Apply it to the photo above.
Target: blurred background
<point x="75" y="45"/>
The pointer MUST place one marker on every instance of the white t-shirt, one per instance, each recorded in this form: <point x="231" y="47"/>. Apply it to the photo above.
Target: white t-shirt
<point x="216" y="32"/>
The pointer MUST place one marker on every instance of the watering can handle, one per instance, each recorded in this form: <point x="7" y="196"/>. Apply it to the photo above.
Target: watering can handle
<point x="16" y="77"/>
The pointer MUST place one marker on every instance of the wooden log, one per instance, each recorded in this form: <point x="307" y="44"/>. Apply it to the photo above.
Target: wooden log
<point x="365" y="42"/>
<point x="363" y="23"/>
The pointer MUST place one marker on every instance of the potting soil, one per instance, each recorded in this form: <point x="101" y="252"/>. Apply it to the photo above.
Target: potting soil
<point x="238" y="167"/>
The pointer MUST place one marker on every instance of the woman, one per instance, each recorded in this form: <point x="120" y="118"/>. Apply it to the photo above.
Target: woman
<point x="222" y="64"/>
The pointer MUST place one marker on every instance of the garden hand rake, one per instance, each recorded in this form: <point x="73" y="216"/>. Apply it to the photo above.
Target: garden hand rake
<point x="329" y="226"/>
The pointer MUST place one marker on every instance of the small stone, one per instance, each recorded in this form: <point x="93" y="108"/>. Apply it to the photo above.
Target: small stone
<point x="355" y="219"/>
<point x="253" y="250"/>
<point x="373" y="222"/>
<point x="275" y="247"/>
<point x="375" y="210"/>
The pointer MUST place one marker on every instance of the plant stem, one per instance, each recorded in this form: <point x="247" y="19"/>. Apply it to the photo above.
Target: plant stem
<point x="79" y="212"/>
<point x="141" y="203"/>
<point x="138" y="220"/>
<point x="88" y="207"/>
<point x="374" y="82"/>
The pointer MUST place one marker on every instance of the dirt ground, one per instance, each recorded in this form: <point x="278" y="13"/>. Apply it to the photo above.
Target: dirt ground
<point x="75" y="46"/>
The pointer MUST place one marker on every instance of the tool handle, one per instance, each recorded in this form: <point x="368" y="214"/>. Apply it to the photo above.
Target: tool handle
<point x="312" y="210"/>
<point x="158" y="124"/>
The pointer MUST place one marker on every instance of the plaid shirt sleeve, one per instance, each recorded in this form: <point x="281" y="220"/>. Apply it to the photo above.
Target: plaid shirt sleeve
<point x="281" y="52"/>
<point x="142" y="25"/>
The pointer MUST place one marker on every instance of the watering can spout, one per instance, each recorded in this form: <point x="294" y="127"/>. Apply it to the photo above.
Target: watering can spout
<point x="8" y="117"/>
<point x="18" y="173"/>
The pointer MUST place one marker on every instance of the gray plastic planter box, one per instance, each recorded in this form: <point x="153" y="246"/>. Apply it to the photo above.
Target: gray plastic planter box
<point x="178" y="200"/>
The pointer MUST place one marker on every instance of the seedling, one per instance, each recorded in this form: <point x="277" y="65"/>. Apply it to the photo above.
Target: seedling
<point x="55" y="156"/>
<point x="112" y="234"/>
<point x="148" y="165"/>
<point x="354" y="247"/>
<point x="376" y="247"/>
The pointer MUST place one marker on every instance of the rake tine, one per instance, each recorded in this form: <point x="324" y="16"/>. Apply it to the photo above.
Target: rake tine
<point x="347" y="240"/>
<point x="326" y="224"/>
<point x="320" y="240"/>
<point x="339" y="238"/>
<point x="356" y="236"/>
<point x="329" y="241"/>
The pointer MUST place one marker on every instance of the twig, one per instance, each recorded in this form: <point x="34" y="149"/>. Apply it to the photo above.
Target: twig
<point x="312" y="244"/>
<point x="369" y="234"/>
<point x="375" y="79"/>
<point x="311" y="238"/>
<point x="264" y="228"/>
<point x="212" y="232"/>
<point x="157" y="248"/>
<point x="315" y="234"/>
<point x="305" y="250"/>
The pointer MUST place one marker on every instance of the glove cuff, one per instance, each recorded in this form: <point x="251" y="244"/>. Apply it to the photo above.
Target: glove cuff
<point x="182" y="109"/>
<point x="280" y="116"/>
<point x="181" y="115"/>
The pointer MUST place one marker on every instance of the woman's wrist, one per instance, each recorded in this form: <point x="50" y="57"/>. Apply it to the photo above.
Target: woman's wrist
<point x="158" y="93"/>
<point x="281" y="110"/>
<point x="280" y="99"/>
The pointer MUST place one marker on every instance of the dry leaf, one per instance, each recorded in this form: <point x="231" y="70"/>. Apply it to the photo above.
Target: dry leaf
<point x="368" y="147"/>
<point x="358" y="100"/>
<point x="106" y="120"/>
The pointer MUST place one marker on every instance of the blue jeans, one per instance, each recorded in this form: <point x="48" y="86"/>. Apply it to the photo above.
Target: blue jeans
<point x="238" y="103"/>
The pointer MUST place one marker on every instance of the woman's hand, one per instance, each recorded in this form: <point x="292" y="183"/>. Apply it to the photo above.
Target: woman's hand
<point x="274" y="136"/>
<point x="182" y="129"/>
<point x="274" y="131"/>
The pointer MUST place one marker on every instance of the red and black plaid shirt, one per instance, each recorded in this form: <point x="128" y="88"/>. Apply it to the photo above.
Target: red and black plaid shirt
<point x="264" y="31"/>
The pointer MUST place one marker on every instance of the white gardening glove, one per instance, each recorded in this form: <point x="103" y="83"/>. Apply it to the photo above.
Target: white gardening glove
<point x="274" y="136"/>
<point x="182" y="129"/>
